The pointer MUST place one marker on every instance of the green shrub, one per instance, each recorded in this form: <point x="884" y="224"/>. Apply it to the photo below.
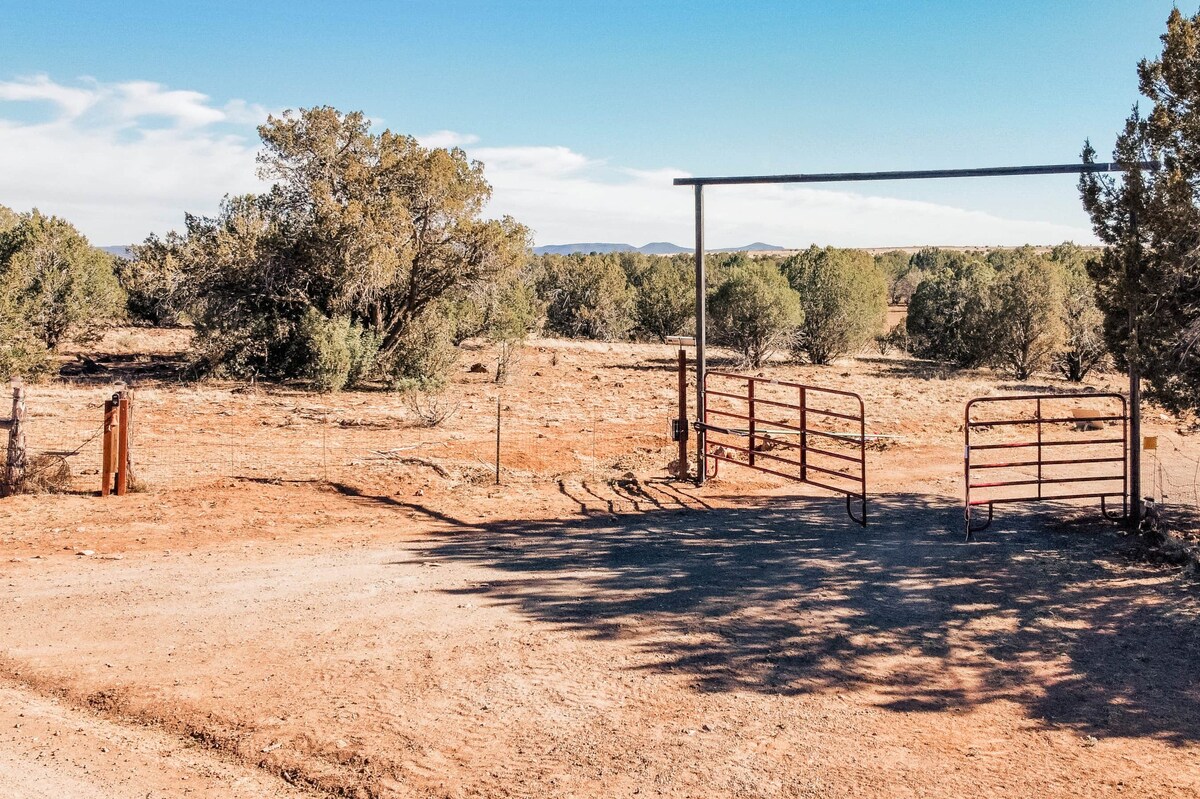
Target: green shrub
<point x="900" y="275"/>
<point x="950" y="317"/>
<point x="154" y="281"/>
<point x="517" y="313"/>
<point x="1026" y="307"/>
<point x="1083" y="347"/>
<point x="55" y="282"/>
<point x="21" y="353"/>
<point x="327" y="351"/>
<point x="895" y="339"/>
<point x="423" y="356"/>
<point x="665" y="297"/>
<point x="754" y="311"/>
<point x="586" y="296"/>
<point x="339" y="352"/>
<point x="844" y="300"/>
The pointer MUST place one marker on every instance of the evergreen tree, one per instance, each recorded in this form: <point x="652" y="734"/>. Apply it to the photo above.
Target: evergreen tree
<point x="1150" y="224"/>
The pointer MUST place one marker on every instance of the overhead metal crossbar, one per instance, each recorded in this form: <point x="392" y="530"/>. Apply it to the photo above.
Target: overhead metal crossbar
<point x="698" y="183"/>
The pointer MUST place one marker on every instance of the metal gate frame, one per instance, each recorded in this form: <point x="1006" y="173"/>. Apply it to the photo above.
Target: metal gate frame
<point x="804" y="430"/>
<point x="1040" y="462"/>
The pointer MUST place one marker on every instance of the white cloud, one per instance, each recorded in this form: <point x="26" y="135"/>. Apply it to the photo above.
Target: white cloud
<point x="447" y="138"/>
<point x="123" y="159"/>
<point x="72" y="101"/>
<point x="138" y="99"/>
<point x="108" y="163"/>
<point x="533" y="162"/>
<point x="567" y="197"/>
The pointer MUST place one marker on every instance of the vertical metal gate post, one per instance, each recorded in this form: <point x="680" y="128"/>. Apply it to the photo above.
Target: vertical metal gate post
<point x="803" y="433"/>
<point x="753" y="420"/>
<point x="683" y="428"/>
<point x="1135" y="382"/>
<point x="701" y="363"/>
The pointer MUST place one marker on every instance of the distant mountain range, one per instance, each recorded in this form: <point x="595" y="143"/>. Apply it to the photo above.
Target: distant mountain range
<point x="653" y="248"/>
<point x="119" y="251"/>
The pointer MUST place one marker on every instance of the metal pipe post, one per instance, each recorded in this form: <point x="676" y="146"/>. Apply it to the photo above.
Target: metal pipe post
<point x="1135" y="381"/>
<point x="701" y="364"/>
<point x="683" y="415"/>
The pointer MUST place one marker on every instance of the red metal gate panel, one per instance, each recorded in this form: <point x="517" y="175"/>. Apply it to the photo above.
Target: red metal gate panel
<point x="1069" y="446"/>
<point x="805" y="433"/>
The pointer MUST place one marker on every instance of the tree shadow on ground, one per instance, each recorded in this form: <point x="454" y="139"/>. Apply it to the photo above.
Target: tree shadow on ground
<point x="912" y="368"/>
<point x="790" y="597"/>
<point x="104" y="368"/>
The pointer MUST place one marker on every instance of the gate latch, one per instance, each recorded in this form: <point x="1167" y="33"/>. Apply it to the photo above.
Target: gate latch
<point x="679" y="431"/>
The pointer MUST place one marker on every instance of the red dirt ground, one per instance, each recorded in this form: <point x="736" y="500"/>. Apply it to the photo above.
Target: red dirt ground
<point x="574" y="631"/>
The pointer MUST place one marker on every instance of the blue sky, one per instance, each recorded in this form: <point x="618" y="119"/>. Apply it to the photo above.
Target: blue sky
<point x="123" y="115"/>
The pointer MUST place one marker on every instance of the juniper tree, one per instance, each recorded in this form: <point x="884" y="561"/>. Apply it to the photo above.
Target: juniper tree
<point x="1149" y="275"/>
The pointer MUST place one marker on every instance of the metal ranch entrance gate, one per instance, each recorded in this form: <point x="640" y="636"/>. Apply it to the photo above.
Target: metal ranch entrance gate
<point x="804" y="433"/>
<point x="699" y="183"/>
<point x="1062" y="451"/>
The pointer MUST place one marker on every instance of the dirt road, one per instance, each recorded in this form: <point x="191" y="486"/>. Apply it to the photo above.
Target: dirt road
<point x="767" y="649"/>
<point x="49" y="750"/>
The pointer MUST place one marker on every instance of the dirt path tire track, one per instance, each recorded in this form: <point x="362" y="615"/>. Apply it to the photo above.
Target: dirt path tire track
<point x="52" y="750"/>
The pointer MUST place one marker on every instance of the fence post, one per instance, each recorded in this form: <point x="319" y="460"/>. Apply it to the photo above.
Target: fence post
<point x="106" y="456"/>
<point x="122" y="444"/>
<point x="14" y="465"/>
<point x="497" y="439"/>
<point x="130" y="472"/>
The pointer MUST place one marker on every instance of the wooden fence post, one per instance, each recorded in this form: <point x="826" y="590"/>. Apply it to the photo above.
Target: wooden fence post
<point x="122" y="444"/>
<point x="130" y="473"/>
<point x="15" y="462"/>
<point x="107" y="456"/>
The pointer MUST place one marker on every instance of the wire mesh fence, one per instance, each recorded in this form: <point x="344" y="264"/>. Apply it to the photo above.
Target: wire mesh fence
<point x="191" y="436"/>
<point x="184" y="437"/>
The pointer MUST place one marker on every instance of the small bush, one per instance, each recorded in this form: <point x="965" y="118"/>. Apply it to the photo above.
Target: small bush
<point x="517" y="313"/>
<point x="339" y="353"/>
<point x="21" y="353"/>
<point x="424" y="355"/>
<point x="586" y="297"/>
<point x="900" y="275"/>
<point x="844" y="300"/>
<point x="328" y="352"/>
<point x="754" y="311"/>
<point x="895" y="339"/>
<point x="155" y="284"/>
<point x="1083" y="347"/>
<point x="431" y="408"/>
<point x="1026" y="302"/>
<point x="665" y="297"/>
<point x="950" y="317"/>
<point x="55" y="283"/>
